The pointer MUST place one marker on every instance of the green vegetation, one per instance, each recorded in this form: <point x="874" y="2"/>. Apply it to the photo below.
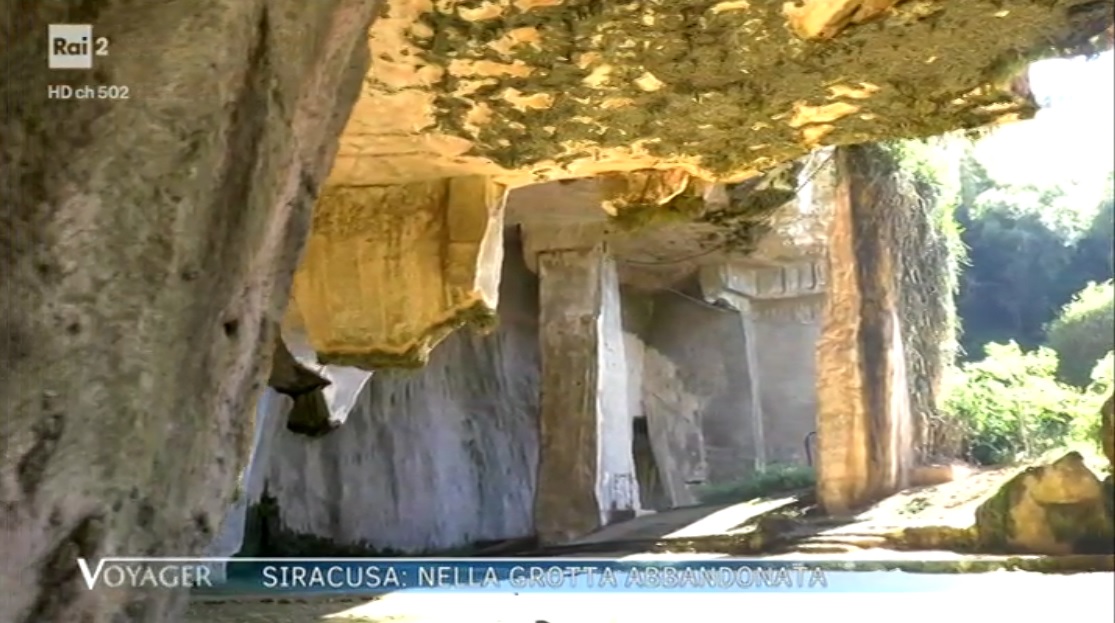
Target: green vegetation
<point x="1010" y="406"/>
<point x="1084" y="332"/>
<point x="772" y="481"/>
<point x="1034" y="315"/>
<point x="927" y="188"/>
<point x="1030" y="250"/>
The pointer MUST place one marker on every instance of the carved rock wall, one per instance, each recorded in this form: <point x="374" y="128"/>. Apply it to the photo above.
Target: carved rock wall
<point x="429" y="459"/>
<point x="147" y="246"/>
<point x="787" y="333"/>
<point x="696" y="394"/>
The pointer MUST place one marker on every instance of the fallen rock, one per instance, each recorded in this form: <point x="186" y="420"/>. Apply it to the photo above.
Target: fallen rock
<point x="1054" y="509"/>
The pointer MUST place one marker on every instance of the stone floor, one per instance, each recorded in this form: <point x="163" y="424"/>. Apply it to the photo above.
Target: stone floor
<point x="1000" y="594"/>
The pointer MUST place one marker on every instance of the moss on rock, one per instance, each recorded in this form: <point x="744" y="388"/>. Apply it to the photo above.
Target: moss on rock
<point x="725" y="86"/>
<point x="1060" y="508"/>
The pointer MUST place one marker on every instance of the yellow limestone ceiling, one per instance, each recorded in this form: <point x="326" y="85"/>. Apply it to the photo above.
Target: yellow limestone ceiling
<point x="465" y="99"/>
<point x="532" y="90"/>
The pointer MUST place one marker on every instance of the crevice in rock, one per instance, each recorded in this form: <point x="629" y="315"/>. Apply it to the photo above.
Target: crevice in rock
<point x="59" y="583"/>
<point x="33" y="464"/>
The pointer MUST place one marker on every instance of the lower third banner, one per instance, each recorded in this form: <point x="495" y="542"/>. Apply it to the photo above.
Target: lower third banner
<point x="380" y="575"/>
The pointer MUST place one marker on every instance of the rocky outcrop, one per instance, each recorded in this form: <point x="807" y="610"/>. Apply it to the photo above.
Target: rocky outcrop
<point x="389" y="272"/>
<point x="150" y="243"/>
<point x="1059" y="508"/>
<point x="530" y="90"/>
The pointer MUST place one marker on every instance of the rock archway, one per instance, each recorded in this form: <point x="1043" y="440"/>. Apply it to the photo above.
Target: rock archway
<point x="149" y="244"/>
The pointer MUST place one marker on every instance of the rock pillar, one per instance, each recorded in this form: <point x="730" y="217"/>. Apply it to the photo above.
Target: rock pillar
<point x="586" y="475"/>
<point x="755" y="404"/>
<point x="864" y="428"/>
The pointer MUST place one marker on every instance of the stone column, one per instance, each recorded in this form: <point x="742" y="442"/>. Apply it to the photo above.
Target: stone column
<point x="586" y="474"/>
<point x="864" y="429"/>
<point x="747" y="317"/>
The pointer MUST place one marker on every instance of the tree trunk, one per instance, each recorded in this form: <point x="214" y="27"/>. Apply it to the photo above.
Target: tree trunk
<point x="147" y="246"/>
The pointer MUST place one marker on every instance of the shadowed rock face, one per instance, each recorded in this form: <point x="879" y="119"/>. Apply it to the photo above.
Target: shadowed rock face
<point x="148" y="244"/>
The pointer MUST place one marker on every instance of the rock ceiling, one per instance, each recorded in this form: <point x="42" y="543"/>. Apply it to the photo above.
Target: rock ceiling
<point x="656" y="99"/>
<point x="533" y="90"/>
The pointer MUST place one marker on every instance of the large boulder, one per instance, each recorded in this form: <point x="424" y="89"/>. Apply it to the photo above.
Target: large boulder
<point x="1059" y="508"/>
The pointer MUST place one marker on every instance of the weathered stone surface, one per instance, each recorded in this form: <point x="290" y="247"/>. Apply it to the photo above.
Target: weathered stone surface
<point x="864" y="426"/>
<point x="823" y="19"/>
<point x="389" y="272"/>
<point x="429" y="459"/>
<point x="786" y="334"/>
<point x="1053" y="509"/>
<point x="586" y="470"/>
<point x="529" y="91"/>
<point x="696" y="395"/>
<point x="1107" y="429"/>
<point x="271" y="411"/>
<point x="147" y="244"/>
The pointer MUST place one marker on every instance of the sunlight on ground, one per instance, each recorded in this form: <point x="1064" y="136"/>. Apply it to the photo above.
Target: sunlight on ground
<point x="687" y="522"/>
<point x="989" y="596"/>
<point x="949" y="504"/>
<point x="728" y="519"/>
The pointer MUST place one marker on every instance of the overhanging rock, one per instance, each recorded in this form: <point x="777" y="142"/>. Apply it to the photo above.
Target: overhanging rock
<point x="390" y="271"/>
<point x="527" y="91"/>
<point x="532" y="90"/>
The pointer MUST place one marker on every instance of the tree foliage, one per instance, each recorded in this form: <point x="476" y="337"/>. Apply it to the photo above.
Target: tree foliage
<point x="1029" y="251"/>
<point x="1010" y="406"/>
<point x="1035" y="338"/>
<point x="1084" y="332"/>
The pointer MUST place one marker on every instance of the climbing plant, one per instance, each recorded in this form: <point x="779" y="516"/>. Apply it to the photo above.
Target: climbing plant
<point x="925" y="187"/>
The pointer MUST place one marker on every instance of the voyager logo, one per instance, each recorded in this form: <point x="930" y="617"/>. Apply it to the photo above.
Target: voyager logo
<point x="144" y="573"/>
